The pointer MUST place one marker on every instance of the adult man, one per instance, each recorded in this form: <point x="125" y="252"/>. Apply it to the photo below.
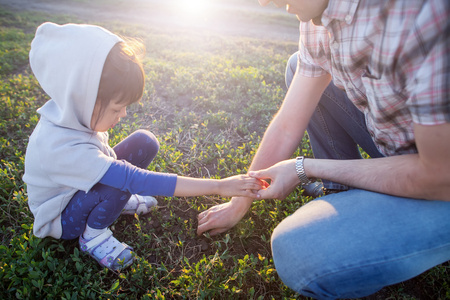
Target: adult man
<point x="374" y="74"/>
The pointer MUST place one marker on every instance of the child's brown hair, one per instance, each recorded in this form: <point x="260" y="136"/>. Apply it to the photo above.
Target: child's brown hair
<point x="122" y="78"/>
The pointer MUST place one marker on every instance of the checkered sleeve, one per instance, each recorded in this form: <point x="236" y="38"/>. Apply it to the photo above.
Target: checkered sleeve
<point x="429" y="102"/>
<point x="313" y="50"/>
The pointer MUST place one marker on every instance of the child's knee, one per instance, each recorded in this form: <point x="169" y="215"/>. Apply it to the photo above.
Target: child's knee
<point x="148" y="139"/>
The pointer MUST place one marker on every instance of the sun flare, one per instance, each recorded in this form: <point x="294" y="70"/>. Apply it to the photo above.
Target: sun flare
<point x="193" y="7"/>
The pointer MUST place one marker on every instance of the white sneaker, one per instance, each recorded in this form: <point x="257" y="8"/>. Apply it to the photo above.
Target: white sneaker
<point x="139" y="205"/>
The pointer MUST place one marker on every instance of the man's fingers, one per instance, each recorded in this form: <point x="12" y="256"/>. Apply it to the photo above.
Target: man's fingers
<point x="265" y="194"/>
<point x="204" y="224"/>
<point x="208" y="227"/>
<point x="251" y="193"/>
<point x="205" y="213"/>
<point x="201" y="215"/>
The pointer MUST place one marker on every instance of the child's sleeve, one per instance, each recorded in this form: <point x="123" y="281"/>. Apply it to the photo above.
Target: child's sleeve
<point x="127" y="177"/>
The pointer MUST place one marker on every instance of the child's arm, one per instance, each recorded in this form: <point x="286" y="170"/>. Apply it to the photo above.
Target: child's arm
<point x="126" y="177"/>
<point x="239" y="185"/>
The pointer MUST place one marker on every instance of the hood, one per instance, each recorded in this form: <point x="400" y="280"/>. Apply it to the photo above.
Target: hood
<point x="68" y="60"/>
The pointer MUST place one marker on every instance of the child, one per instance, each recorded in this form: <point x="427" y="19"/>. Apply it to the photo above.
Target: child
<point x="77" y="184"/>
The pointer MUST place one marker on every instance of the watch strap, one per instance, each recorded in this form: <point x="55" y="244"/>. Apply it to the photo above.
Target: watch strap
<point x="299" y="168"/>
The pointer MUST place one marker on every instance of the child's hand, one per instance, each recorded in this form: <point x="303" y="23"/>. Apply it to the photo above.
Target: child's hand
<point x="240" y="185"/>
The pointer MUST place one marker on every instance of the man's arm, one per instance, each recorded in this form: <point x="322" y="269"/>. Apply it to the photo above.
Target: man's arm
<point x="425" y="175"/>
<point x="280" y="140"/>
<point x="286" y="130"/>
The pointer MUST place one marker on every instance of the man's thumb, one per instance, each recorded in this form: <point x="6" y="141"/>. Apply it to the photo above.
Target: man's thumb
<point x="257" y="174"/>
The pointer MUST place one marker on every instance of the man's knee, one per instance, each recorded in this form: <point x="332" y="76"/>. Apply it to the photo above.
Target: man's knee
<point x="289" y="255"/>
<point x="302" y="251"/>
<point x="300" y="264"/>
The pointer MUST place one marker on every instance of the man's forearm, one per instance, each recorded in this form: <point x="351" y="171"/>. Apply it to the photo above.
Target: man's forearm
<point x="276" y="145"/>
<point x="286" y="130"/>
<point x="397" y="175"/>
<point x="425" y="175"/>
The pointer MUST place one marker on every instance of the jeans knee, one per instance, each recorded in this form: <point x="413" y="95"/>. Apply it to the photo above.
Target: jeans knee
<point x="299" y="260"/>
<point x="285" y="256"/>
<point x="293" y="265"/>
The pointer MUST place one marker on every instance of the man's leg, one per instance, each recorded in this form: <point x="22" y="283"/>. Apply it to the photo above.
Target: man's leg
<point x="354" y="243"/>
<point x="336" y="128"/>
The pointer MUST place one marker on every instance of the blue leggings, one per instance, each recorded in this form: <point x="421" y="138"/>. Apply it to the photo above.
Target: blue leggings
<point x="102" y="205"/>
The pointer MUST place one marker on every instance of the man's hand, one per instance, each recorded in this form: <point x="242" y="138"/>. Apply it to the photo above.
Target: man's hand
<point x="223" y="217"/>
<point x="283" y="180"/>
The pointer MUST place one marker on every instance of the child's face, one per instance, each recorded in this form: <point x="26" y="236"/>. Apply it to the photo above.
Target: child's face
<point x="109" y="117"/>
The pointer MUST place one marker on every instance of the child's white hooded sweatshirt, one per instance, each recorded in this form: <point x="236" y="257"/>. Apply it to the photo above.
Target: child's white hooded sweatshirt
<point x="68" y="62"/>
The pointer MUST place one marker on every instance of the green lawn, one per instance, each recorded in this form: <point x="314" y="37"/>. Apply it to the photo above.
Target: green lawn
<point x="208" y="99"/>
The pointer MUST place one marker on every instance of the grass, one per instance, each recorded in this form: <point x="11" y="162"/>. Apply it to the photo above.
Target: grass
<point x="209" y="100"/>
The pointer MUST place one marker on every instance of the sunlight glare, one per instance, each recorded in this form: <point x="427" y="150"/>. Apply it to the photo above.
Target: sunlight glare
<point x="197" y="8"/>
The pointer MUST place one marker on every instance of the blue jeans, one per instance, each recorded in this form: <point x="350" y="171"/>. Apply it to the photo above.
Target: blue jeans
<point x="103" y="204"/>
<point x="354" y="243"/>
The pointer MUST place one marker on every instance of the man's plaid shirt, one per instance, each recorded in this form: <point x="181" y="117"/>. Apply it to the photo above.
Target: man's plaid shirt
<point x="391" y="57"/>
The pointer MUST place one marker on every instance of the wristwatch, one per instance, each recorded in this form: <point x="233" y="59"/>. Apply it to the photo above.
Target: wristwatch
<point x="304" y="180"/>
